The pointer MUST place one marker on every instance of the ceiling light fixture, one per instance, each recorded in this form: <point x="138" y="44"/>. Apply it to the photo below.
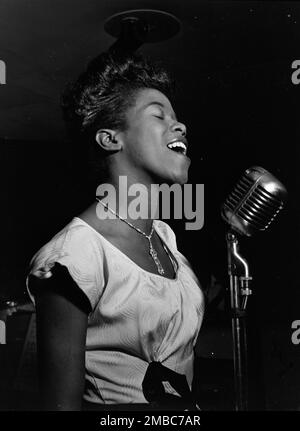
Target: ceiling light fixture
<point x="133" y="28"/>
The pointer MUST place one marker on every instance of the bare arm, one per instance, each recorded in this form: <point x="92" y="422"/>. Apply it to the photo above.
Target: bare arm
<point x="62" y="314"/>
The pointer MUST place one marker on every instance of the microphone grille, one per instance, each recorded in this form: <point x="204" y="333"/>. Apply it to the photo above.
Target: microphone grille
<point x="254" y="202"/>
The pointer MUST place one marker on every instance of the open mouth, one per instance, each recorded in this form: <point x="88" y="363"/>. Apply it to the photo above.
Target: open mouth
<point x="178" y="147"/>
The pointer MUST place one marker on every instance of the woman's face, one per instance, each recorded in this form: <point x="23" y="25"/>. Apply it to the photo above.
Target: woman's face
<point x="151" y="127"/>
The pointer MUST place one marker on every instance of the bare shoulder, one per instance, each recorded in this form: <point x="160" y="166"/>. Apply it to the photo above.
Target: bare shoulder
<point x="106" y="227"/>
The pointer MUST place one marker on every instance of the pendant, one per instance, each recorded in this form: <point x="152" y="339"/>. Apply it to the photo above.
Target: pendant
<point x="153" y="254"/>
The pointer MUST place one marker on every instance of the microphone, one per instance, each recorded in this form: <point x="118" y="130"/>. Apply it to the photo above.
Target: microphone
<point x="254" y="202"/>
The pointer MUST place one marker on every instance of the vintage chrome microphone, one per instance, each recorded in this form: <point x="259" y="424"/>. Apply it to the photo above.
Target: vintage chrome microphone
<point x="254" y="202"/>
<point x="251" y="207"/>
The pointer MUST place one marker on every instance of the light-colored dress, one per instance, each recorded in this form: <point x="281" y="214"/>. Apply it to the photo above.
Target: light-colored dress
<point x="137" y="317"/>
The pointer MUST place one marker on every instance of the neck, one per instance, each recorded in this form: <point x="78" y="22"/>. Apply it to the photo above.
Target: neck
<point x="133" y="200"/>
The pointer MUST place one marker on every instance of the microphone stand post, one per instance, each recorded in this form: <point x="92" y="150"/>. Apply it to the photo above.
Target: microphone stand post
<point x="238" y="271"/>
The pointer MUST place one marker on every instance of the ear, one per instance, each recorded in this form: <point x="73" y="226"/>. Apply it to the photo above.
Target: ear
<point x="108" y="140"/>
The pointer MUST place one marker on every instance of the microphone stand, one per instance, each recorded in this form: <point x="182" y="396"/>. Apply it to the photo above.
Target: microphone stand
<point x="238" y="271"/>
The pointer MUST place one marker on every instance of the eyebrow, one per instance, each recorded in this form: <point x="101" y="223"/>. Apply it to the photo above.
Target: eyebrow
<point x="154" y="103"/>
<point x="161" y="105"/>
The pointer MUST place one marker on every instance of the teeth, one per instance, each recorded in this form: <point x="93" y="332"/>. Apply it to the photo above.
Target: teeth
<point x="178" y="144"/>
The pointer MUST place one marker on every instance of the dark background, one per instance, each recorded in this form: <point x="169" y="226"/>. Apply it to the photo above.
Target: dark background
<point x="232" y="61"/>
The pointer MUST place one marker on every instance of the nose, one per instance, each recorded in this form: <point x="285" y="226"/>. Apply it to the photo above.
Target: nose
<point x="179" y="127"/>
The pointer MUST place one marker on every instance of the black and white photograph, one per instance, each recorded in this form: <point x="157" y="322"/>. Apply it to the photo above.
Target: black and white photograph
<point x="150" y="214"/>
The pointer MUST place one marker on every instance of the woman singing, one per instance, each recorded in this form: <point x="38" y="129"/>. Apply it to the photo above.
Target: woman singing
<point x="118" y="306"/>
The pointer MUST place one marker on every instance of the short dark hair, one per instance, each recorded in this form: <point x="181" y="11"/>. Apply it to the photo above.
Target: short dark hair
<point x="104" y="91"/>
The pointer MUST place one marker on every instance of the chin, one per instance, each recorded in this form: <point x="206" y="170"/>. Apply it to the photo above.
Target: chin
<point x="173" y="174"/>
<point x="182" y="180"/>
<point x="177" y="178"/>
<point x="182" y="175"/>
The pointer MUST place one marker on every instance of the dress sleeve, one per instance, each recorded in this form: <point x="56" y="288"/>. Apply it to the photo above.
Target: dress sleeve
<point x="80" y="253"/>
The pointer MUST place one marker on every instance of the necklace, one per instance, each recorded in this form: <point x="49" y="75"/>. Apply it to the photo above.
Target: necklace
<point x="152" y="251"/>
